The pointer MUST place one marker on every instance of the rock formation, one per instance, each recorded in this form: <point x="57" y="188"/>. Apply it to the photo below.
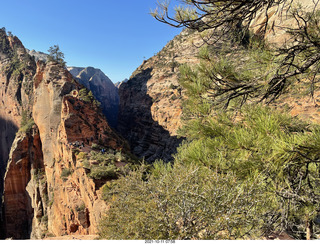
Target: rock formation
<point x="38" y="55"/>
<point x="47" y="126"/>
<point x="118" y="84"/>
<point x="102" y="88"/>
<point x="150" y="101"/>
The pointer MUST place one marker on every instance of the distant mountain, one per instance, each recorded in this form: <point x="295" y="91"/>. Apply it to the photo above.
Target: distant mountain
<point x="38" y="55"/>
<point x="118" y="84"/>
<point x="95" y="80"/>
<point x="102" y="88"/>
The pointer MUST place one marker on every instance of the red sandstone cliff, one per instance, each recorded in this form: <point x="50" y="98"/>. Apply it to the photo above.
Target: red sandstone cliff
<point x="49" y="129"/>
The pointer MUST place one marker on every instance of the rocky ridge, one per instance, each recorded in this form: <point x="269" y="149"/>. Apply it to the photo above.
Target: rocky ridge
<point x="151" y="100"/>
<point x="50" y="128"/>
<point x="38" y="55"/>
<point x="95" y="80"/>
<point x="102" y="88"/>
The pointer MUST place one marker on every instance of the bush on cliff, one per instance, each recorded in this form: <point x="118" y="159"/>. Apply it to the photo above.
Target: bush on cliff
<point x="182" y="202"/>
<point x="240" y="178"/>
<point x="242" y="173"/>
<point x="26" y="123"/>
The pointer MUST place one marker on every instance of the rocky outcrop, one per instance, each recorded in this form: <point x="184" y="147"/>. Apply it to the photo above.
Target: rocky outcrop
<point x="75" y="206"/>
<point x="46" y="124"/>
<point x="17" y="70"/>
<point x="280" y="20"/>
<point x="38" y="55"/>
<point x="118" y="84"/>
<point x="25" y="160"/>
<point x="102" y="88"/>
<point x="151" y="100"/>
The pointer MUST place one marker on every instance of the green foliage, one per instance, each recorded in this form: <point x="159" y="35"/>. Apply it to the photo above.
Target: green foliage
<point x="85" y="164"/>
<point x="181" y="202"/>
<point x="16" y="66"/>
<point x="239" y="177"/>
<point x="82" y="155"/>
<point x="81" y="207"/>
<point x="55" y="55"/>
<point x="102" y="172"/>
<point x="106" y="188"/>
<point x="241" y="173"/>
<point x="4" y="42"/>
<point x="281" y="148"/>
<point x="26" y="123"/>
<point x="95" y="146"/>
<point x="227" y="79"/>
<point x="87" y="96"/>
<point x="66" y="172"/>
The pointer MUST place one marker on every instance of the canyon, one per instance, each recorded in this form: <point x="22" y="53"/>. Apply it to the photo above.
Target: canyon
<point x="44" y="120"/>
<point x="49" y="124"/>
<point x="102" y="89"/>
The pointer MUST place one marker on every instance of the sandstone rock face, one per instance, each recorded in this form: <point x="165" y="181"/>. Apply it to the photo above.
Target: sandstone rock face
<point x="102" y="88"/>
<point x="75" y="204"/>
<point x="25" y="159"/>
<point x="46" y="191"/>
<point x="118" y="84"/>
<point x="15" y="87"/>
<point x="150" y="101"/>
<point x="280" y="18"/>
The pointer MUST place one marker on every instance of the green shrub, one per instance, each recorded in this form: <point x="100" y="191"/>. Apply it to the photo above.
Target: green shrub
<point x="81" y="207"/>
<point x="181" y="202"/>
<point x="85" y="164"/>
<point x="66" y="172"/>
<point x="106" y="188"/>
<point x="82" y="155"/>
<point x="225" y="183"/>
<point x="119" y="156"/>
<point x="95" y="146"/>
<point x="26" y="125"/>
<point x="104" y="172"/>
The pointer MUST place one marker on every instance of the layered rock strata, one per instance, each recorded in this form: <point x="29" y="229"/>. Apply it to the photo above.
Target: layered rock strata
<point x="102" y="88"/>
<point x="151" y="100"/>
<point x="46" y="190"/>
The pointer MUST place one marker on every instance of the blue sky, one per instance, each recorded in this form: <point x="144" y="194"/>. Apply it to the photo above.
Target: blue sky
<point x="114" y="36"/>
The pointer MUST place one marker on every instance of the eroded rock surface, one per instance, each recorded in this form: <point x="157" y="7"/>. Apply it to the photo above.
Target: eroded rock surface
<point x="46" y="125"/>
<point x="102" y="88"/>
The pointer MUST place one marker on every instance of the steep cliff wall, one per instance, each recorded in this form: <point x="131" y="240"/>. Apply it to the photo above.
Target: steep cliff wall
<point x="16" y="72"/>
<point x="64" y="119"/>
<point x="102" y="88"/>
<point x="150" y="101"/>
<point x="48" y="130"/>
<point x="25" y="159"/>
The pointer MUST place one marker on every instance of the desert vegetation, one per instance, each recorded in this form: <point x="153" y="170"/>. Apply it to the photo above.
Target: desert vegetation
<point x="247" y="168"/>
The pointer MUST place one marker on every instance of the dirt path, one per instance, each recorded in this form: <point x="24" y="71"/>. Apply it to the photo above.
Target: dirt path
<point x="73" y="237"/>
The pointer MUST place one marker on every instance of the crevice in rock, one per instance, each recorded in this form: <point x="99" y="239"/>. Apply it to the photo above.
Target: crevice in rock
<point x="147" y="138"/>
<point x="26" y="157"/>
<point x="7" y="134"/>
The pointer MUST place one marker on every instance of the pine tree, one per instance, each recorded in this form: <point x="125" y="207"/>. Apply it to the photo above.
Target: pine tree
<point x="55" y="55"/>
